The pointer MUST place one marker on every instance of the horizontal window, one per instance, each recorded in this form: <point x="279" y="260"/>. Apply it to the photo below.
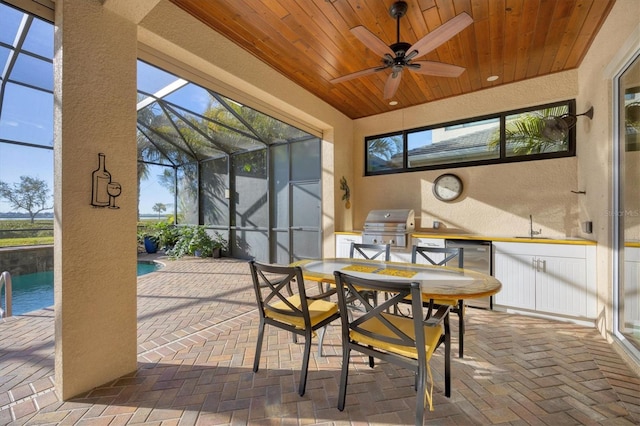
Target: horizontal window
<point x="529" y="134"/>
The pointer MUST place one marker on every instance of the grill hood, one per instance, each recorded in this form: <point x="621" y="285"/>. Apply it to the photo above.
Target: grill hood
<point x="399" y="220"/>
<point x="388" y="227"/>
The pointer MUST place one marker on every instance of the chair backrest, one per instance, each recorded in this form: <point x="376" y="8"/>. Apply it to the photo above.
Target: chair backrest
<point x="387" y="316"/>
<point x="274" y="284"/>
<point x="370" y="251"/>
<point x="421" y="253"/>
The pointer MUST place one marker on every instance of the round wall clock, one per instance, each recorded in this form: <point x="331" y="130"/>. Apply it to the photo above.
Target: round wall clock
<point x="447" y="187"/>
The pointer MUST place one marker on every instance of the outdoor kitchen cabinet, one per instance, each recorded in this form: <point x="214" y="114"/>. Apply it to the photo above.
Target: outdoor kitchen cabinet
<point x="343" y="243"/>
<point x="556" y="279"/>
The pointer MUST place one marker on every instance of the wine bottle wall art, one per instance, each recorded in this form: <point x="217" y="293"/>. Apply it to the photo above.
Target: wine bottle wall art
<point x="103" y="190"/>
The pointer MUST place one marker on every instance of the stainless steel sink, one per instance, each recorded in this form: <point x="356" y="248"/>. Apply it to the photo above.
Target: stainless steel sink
<point x="533" y="238"/>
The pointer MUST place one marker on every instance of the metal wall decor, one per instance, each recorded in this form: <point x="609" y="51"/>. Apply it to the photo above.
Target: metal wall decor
<point x="103" y="190"/>
<point x="347" y="192"/>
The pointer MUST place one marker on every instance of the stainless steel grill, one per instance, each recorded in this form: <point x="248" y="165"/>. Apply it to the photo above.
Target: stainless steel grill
<point x="388" y="227"/>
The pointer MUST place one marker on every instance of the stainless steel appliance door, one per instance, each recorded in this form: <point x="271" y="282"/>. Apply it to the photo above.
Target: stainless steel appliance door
<point x="477" y="257"/>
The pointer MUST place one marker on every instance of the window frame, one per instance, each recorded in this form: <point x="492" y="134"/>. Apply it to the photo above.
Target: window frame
<point x="502" y="157"/>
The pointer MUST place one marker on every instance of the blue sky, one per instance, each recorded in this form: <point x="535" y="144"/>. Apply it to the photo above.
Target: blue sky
<point x="26" y="115"/>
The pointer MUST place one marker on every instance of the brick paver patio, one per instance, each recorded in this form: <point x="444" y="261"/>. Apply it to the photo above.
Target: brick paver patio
<point x="197" y="329"/>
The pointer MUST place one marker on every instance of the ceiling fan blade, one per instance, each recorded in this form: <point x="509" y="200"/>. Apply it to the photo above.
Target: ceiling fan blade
<point x="440" y="35"/>
<point x="391" y="86"/>
<point x="356" y="74"/>
<point x="372" y="42"/>
<point x="437" y="68"/>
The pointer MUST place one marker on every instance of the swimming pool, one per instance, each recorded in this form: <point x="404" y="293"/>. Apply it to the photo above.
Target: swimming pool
<point x="35" y="291"/>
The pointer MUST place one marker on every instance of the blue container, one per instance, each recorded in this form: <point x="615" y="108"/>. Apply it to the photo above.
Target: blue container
<point x="150" y="245"/>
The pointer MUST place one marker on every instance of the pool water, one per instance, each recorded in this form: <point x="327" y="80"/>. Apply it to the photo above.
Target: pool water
<point x="31" y="292"/>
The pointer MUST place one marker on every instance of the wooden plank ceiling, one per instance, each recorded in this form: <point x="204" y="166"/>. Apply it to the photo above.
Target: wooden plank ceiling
<point x="310" y="42"/>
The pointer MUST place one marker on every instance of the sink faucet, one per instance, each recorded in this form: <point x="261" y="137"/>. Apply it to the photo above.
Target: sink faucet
<point x="531" y="231"/>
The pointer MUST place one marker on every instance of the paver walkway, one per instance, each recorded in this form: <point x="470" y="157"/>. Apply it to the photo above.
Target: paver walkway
<point x="197" y="329"/>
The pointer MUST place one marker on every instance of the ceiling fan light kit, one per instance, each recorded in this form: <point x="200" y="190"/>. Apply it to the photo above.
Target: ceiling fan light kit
<point x="400" y="55"/>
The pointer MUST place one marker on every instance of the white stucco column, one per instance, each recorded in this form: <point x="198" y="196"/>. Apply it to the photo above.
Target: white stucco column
<point x="95" y="247"/>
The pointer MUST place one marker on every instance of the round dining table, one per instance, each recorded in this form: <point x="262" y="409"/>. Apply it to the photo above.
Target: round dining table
<point x="436" y="282"/>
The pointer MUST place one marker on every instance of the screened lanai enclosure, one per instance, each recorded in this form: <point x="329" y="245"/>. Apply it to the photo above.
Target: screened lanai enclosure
<point x="238" y="171"/>
<point x="205" y="158"/>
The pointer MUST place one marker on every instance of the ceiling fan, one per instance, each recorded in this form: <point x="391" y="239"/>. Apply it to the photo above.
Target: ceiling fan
<point x="401" y="55"/>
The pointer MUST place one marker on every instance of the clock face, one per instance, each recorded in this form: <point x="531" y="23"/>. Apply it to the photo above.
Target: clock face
<point x="447" y="187"/>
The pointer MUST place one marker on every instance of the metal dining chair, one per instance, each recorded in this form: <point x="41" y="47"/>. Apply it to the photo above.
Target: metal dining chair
<point x="284" y="303"/>
<point x="371" y="252"/>
<point x="431" y="255"/>
<point x="405" y="339"/>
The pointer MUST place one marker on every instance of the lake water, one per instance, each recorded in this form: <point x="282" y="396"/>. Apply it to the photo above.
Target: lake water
<point x="31" y="292"/>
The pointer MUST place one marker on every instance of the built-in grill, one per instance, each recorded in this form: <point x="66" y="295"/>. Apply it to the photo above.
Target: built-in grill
<point x="388" y="227"/>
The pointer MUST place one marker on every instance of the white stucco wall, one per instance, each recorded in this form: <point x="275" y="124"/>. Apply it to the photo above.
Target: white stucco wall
<point x="95" y="248"/>
<point x="497" y="199"/>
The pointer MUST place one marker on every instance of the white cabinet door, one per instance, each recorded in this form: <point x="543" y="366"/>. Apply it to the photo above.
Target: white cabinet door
<point x="560" y="286"/>
<point x="549" y="278"/>
<point x="518" y="278"/>
<point x="343" y="243"/>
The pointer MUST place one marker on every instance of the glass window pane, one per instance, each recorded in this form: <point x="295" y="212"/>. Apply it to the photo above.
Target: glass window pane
<point x="4" y="56"/>
<point x="470" y="141"/>
<point x="152" y="79"/>
<point x="10" y="19"/>
<point x="39" y="39"/>
<point x="35" y="163"/>
<point x="384" y="153"/>
<point x="156" y="189"/>
<point x="537" y="132"/>
<point x="632" y="117"/>
<point x="27" y="115"/>
<point x="629" y="204"/>
<point x="32" y="71"/>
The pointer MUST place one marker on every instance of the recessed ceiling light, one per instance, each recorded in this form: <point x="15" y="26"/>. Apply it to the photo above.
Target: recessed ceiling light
<point x="492" y="78"/>
<point x="393" y="103"/>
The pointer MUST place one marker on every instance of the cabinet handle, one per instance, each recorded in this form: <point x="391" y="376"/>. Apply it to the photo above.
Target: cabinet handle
<point x="544" y="265"/>
<point x="534" y="264"/>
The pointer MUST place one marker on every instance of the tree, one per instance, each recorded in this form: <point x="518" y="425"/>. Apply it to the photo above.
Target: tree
<point x="30" y="194"/>
<point x="159" y="207"/>
<point x="525" y="133"/>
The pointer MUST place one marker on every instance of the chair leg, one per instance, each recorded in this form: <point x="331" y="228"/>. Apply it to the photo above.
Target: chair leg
<point x="305" y="363"/>
<point x="461" y="329"/>
<point x="342" y="394"/>
<point x="447" y="358"/>
<point x="321" y="339"/>
<point x="421" y="394"/>
<point x="256" y="361"/>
